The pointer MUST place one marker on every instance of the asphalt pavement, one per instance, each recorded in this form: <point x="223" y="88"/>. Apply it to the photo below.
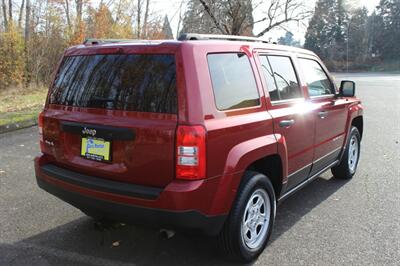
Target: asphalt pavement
<point x="330" y="222"/>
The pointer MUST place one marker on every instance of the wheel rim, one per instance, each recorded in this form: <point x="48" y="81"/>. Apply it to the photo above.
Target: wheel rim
<point x="353" y="153"/>
<point x="256" y="218"/>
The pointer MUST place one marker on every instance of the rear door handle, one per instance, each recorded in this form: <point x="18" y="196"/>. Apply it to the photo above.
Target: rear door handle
<point x="323" y="114"/>
<point x="286" y="123"/>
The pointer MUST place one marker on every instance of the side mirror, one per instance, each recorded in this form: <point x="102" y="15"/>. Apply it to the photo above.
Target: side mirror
<point x="347" y="88"/>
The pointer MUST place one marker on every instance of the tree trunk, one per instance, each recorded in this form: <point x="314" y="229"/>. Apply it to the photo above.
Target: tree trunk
<point x="27" y="36"/>
<point x="139" y="14"/>
<point x="146" y="16"/>
<point x="3" y="4"/>
<point x="21" y="11"/>
<point x="79" y="5"/>
<point x="10" y="15"/>
<point x="67" y="14"/>
<point x="27" y="21"/>
<point x="179" y="21"/>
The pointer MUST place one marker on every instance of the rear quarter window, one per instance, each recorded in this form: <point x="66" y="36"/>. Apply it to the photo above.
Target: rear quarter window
<point x="233" y="81"/>
<point x="143" y="83"/>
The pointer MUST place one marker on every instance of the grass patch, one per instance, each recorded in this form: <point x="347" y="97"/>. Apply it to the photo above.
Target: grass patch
<point x="19" y="116"/>
<point x="13" y="100"/>
<point x="18" y="105"/>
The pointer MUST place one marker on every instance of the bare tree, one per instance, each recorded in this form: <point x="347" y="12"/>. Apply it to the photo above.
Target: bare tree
<point x="218" y="24"/>
<point x="27" y="36"/>
<point x="281" y="12"/>
<point x="146" y="17"/>
<point x="230" y="16"/>
<point x="4" y="7"/>
<point x="67" y="14"/>
<point x="179" y="19"/>
<point x="79" y="8"/>
<point x="21" y="11"/>
<point x="139" y="16"/>
<point x="277" y="14"/>
<point x="10" y="10"/>
<point x="27" y="21"/>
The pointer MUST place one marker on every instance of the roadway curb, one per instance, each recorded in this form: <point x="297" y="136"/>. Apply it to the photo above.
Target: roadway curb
<point x="19" y="125"/>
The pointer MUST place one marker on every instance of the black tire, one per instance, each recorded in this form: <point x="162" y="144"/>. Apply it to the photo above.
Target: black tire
<point x="230" y="239"/>
<point x="345" y="170"/>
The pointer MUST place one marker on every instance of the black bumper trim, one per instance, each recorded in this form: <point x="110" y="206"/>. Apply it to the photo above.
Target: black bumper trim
<point x="100" y="184"/>
<point x="192" y="220"/>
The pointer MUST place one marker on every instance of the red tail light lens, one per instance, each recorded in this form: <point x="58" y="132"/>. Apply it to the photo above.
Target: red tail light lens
<point x="190" y="152"/>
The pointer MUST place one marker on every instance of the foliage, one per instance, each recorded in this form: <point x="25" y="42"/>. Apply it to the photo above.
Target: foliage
<point x="288" y="40"/>
<point x="12" y="62"/>
<point x="325" y="34"/>
<point x="351" y="39"/>
<point x="30" y="50"/>
<point x="33" y="36"/>
<point x="357" y="36"/>
<point x="389" y="11"/>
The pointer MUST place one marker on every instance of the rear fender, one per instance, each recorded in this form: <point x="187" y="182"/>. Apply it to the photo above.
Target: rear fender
<point x="239" y="159"/>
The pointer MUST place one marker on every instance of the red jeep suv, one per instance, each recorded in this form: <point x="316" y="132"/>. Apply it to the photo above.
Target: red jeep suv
<point x="208" y="132"/>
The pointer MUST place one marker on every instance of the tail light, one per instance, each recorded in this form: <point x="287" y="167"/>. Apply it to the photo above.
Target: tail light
<point x="190" y="152"/>
<point x="40" y="126"/>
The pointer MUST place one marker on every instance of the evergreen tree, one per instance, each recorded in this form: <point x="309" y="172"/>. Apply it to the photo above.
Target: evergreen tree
<point x="320" y="31"/>
<point x="389" y="11"/>
<point x="166" y="29"/>
<point x="375" y="31"/>
<point x="196" y="20"/>
<point x="288" y="40"/>
<point x="326" y="31"/>
<point x="357" y="36"/>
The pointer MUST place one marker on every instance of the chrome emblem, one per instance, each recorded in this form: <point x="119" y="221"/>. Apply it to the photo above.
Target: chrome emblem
<point x="88" y="131"/>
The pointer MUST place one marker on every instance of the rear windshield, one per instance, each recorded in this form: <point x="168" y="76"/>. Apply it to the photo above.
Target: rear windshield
<point x="143" y="83"/>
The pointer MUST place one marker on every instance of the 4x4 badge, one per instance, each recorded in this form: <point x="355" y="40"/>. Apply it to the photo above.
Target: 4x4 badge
<point x="87" y="131"/>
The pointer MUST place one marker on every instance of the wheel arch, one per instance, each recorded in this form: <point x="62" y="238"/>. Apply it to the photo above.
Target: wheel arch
<point x="266" y="154"/>
<point x="270" y="166"/>
<point x="358" y="122"/>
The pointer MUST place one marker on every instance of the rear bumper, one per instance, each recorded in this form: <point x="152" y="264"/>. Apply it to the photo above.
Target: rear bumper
<point x="173" y="209"/>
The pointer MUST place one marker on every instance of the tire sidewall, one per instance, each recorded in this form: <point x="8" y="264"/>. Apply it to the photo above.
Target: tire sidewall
<point x="353" y="132"/>
<point x="256" y="181"/>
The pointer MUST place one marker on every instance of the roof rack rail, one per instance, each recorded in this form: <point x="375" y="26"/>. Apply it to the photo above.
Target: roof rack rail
<point x="93" y="41"/>
<point x="197" y="36"/>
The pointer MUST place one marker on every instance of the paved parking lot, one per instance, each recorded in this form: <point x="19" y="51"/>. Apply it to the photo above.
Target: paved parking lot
<point x="330" y="222"/>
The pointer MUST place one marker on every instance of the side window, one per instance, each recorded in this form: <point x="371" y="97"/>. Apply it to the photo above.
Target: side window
<point x="233" y="81"/>
<point x="269" y="78"/>
<point x="317" y="81"/>
<point x="285" y="78"/>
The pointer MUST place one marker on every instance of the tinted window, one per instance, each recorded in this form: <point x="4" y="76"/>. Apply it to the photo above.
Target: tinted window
<point x="284" y="76"/>
<point x="233" y="81"/>
<point x="144" y="83"/>
<point x="269" y="78"/>
<point x="317" y="81"/>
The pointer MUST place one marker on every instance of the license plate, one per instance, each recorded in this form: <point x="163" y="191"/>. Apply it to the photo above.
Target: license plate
<point x="95" y="149"/>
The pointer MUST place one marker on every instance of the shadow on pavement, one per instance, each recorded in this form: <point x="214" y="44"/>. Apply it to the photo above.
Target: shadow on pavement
<point x="81" y="243"/>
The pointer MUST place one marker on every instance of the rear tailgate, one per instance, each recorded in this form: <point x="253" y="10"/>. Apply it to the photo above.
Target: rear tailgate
<point x="114" y="116"/>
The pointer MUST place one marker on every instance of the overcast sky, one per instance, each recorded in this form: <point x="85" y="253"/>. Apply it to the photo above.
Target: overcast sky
<point x="171" y="8"/>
